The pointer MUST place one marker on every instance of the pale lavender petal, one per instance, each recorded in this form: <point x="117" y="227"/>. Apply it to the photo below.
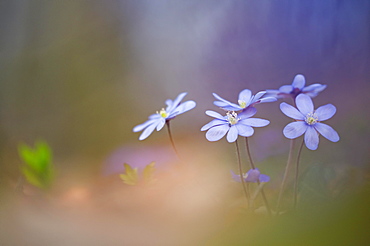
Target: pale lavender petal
<point x="214" y="114"/>
<point x="148" y="131"/>
<point x="295" y="129"/>
<point x="244" y="130"/>
<point x="185" y="106"/>
<point x="245" y="95"/>
<point x="236" y="177"/>
<point x="140" y="127"/>
<point x="217" y="132"/>
<point x="227" y="106"/>
<point x="314" y="88"/>
<point x="264" y="178"/>
<point x="299" y="81"/>
<point x="272" y="93"/>
<point x="311" y="138"/>
<point x="327" y="131"/>
<point x="248" y="112"/>
<point x="177" y="101"/>
<point x="253" y="175"/>
<point x="255" y="122"/>
<point x="267" y="99"/>
<point x="291" y="111"/>
<point x="259" y="95"/>
<point x="325" y="112"/>
<point x="154" y="116"/>
<point x="286" y="89"/>
<point x="169" y="104"/>
<point x="161" y="123"/>
<point x="304" y="104"/>
<point x="232" y="135"/>
<point x="213" y="123"/>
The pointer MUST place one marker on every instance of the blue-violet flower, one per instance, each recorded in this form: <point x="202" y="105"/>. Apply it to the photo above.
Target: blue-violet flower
<point x="233" y="124"/>
<point x="246" y="99"/>
<point x="296" y="88"/>
<point x="308" y="121"/>
<point x="158" y="120"/>
<point x="252" y="176"/>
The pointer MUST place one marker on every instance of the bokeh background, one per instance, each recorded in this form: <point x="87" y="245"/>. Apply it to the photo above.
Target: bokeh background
<point x="82" y="74"/>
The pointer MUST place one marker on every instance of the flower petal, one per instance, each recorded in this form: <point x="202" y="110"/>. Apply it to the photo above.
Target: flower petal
<point x="291" y="111"/>
<point x="161" y="123"/>
<point x="255" y="122"/>
<point x="154" y="116"/>
<point x="236" y="177"/>
<point x="253" y="175"/>
<point x="304" y="104"/>
<point x="267" y="99"/>
<point x="213" y="123"/>
<point x="148" y="130"/>
<point x="299" y="81"/>
<point x="325" y="112"/>
<point x="140" y="127"/>
<point x="214" y="114"/>
<point x="225" y="104"/>
<point x="185" y="106"/>
<point x="232" y="135"/>
<point x="313" y="89"/>
<point x="245" y="95"/>
<point x="247" y="112"/>
<point x="327" y="131"/>
<point x="244" y="130"/>
<point x="264" y="178"/>
<point x="295" y="129"/>
<point x="286" y="89"/>
<point x="258" y="95"/>
<point x="311" y="138"/>
<point x="176" y="101"/>
<point x="217" y="132"/>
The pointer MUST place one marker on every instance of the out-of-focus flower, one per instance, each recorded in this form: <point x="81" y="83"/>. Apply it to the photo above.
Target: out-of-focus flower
<point x="246" y="99"/>
<point x="233" y="124"/>
<point x="252" y="176"/>
<point x="296" y="88"/>
<point x="158" y="120"/>
<point x="308" y="121"/>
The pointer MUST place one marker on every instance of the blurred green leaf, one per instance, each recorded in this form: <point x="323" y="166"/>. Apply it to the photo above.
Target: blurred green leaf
<point x="130" y="176"/>
<point x="38" y="168"/>
<point x="148" y="173"/>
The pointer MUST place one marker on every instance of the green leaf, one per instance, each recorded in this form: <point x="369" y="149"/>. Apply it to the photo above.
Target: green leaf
<point x="148" y="173"/>
<point x="130" y="176"/>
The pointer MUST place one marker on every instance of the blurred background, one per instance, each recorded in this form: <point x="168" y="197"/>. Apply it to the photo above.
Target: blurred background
<point x="81" y="74"/>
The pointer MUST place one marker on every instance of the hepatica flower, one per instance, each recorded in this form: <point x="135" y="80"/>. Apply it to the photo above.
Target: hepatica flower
<point x="296" y="88"/>
<point x="246" y="99"/>
<point x="308" y="121"/>
<point x="158" y="120"/>
<point x="233" y="124"/>
<point x="252" y="176"/>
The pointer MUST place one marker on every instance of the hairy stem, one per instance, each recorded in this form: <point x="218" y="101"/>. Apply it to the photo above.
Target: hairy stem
<point x="254" y="167"/>
<point x="241" y="173"/>
<point x="285" y="175"/>
<point x="171" y="139"/>
<point x="296" y="176"/>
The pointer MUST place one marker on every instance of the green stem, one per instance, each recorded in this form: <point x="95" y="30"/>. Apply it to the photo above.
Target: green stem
<point x="296" y="176"/>
<point x="241" y="173"/>
<point x="258" y="182"/>
<point x="285" y="175"/>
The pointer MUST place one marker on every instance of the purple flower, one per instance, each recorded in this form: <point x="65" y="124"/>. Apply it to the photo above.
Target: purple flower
<point x="308" y="121"/>
<point x="157" y="120"/>
<point x="233" y="124"/>
<point x="246" y="99"/>
<point x="296" y="88"/>
<point x="252" y="176"/>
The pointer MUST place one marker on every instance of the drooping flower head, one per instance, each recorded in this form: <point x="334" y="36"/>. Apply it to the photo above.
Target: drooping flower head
<point x="158" y="120"/>
<point x="252" y="176"/>
<point x="308" y="121"/>
<point x="296" y="88"/>
<point x="245" y="100"/>
<point x="233" y="124"/>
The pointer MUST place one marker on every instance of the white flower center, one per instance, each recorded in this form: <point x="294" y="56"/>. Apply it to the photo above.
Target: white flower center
<point x="242" y="103"/>
<point x="232" y="118"/>
<point x="311" y="118"/>
<point x="163" y="113"/>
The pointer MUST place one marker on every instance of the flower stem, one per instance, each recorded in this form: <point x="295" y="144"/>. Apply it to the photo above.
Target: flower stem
<point x="241" y="173"/>
<point x="171" y="139"/>
<point x="258" y="182"/>
<point x="296" y="176"/>
<point x="285" y="175"/>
